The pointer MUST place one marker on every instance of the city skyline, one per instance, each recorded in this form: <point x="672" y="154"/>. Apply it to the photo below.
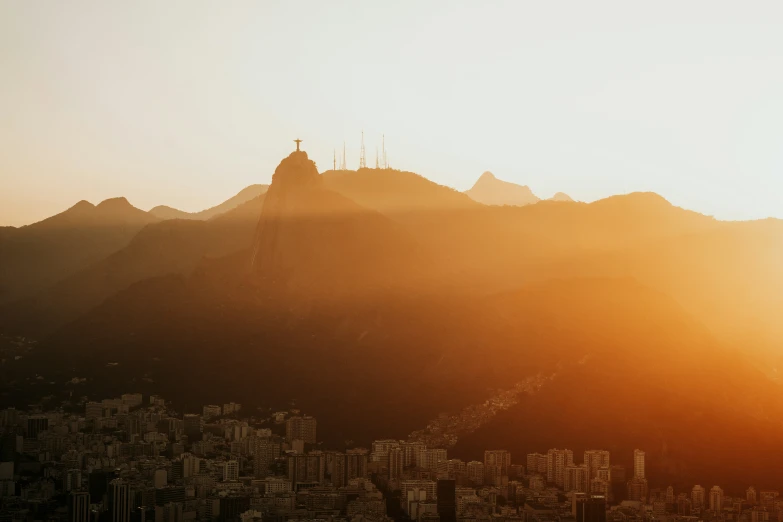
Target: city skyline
<point x="403" y="262"/>
<point x="220" y="464"/>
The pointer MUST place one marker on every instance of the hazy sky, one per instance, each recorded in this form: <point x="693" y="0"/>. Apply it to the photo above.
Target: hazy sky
<point x="185" y="102"/>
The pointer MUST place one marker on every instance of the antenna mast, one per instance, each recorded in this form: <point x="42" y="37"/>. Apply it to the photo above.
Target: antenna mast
<point x="383" y="147"/>
<point x="377" y="165"/>
<point x="334" y="159"/>
<point x="362" y="157"/>
<point x="343" y="165"/>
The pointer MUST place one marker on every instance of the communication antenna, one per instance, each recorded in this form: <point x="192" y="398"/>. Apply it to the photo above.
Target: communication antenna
<point x="334" y="159"/>
<point x="377" y="165"/>
<point x="383" y="148"/>
<point x="362" y="156"/>
<point x="343" y="165"/>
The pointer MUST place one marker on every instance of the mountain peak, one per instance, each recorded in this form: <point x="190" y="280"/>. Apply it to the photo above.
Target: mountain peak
<point x="82" y="205"/>
<point x="114" y="203"/>
<point x="561" y="196"/>
<point x="487" y="176"/>
<point x="296" y="170"/>
<point x="490" y="190"/>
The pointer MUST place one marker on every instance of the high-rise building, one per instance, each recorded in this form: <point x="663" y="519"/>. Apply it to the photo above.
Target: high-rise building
<point x="447" y="500"/>
<point x="211" y="410"/>
<point x="265" y="451"/>
<point x="496" y="465"/>
<point x="716" y="499"/>
<point x="335" y="465"/>
<point x="36" y="424"/>
<point x="767" y="499"/>
<point x="684" y="505"/>
<point x="536" y="483"/>
<point x="72" y="480"/>
<point x="591" y="509"/>
<point x="356" y="463"/>
<point x="697" y="499"/>
<point x="306" y="468"/>
<point x="429" y="458"/>
<point x="601" y="487"/>
<point x="300" y="428"/>
<point x="396" y="463"/>
<point x="750" y="496"/>
<point x="93" y="410"/>
<point x="428" y="487"/>
<point x="575" y="479"/>
<point x="382" y="447"/>
<point x="160" y="478"/>
<point x="595" y="460"/>
<point x="557" y="461"/>
<point x="191" y="465"/>
<point x="638" y="463"/>
<point x="759" y="514"/>
<point x="637" y="489"/>
<point x="191" y="425"/>
<point x="79" y="506"/>
<point x="132" y="400"/>
<point x="452" y="469"/>
<point x="231" y="470"/>
<point x="119" y="500"/>
<point x="98" y="482"/>
<point x="412" y="452"/>
<point x="475" y="472"/>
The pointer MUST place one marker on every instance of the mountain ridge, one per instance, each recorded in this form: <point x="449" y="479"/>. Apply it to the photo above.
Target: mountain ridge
<point x="246" y="194"/>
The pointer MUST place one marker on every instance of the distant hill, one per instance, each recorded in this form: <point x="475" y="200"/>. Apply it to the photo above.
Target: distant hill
<point x="636" y="371"/>
<point x="36" y="256"/>
<point x="490" y="190"/>
<point x="170" y="247"/>
<point x="393" y="192"/>
<point x="561" y="196"/>
<point x="381" y="296"/>
<point x="245" y="195"/>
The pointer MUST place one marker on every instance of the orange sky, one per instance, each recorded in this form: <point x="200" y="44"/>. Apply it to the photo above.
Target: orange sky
<point x="186" y="102"/>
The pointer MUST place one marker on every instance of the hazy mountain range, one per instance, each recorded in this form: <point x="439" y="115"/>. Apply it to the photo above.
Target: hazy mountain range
<point x="493" y="191"/>
<point x="378" y="299"/>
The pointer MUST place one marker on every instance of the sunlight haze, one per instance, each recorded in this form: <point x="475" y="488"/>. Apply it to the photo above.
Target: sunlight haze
<point x="185" y="103"/>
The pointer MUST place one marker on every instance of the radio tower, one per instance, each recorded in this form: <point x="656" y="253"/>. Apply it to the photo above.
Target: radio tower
<point x="362" y="156"/>
<point x="342" y="165"/>
<point x="334" y="159"/>
<point x="383" y="148"/>
<point x="377" y="165"/>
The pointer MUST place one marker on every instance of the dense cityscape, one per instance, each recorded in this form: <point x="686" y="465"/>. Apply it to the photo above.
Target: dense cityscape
<point x="130" y="459"/>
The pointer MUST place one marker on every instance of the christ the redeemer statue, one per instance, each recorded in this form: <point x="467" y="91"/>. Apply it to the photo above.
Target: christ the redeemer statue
<point x="297" y="144"/>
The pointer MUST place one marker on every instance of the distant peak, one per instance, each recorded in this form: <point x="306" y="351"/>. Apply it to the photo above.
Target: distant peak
<point x="114" y="203"/>
<point x="296" y="170"/>
<point x="82" y="205"/>
<point x="561" y="196"/>
<point x="487" y="176"/>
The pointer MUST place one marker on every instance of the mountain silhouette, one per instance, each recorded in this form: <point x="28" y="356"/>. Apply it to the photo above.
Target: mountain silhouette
<point x="637" y="371"/>
<point x="393" y="192"/>
<point x="244" y="195"/>
<point x="171" y="247"/>
<point x="490" y="190"/>
<point x="36" y="256"/>
<point x="315" y="241"/>
<point x="561" y="196"/>
<point x="368" y="290"/>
